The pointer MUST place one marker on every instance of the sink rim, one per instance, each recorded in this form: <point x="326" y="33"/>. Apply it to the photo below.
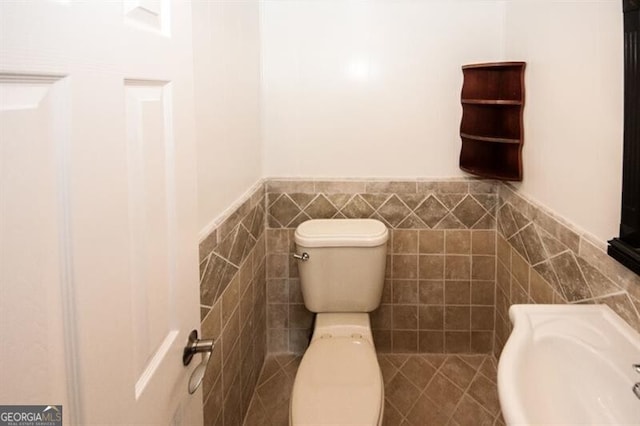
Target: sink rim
<point x="529" y="319"/>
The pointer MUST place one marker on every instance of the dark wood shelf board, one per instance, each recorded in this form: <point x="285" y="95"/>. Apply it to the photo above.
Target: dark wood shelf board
<point x="491" y="174"/>
<point x="499" y="102"/>
<point x="490" y="139"/>
<point x="489" y="65"/>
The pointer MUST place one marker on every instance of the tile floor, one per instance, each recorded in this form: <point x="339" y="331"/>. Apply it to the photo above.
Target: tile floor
<point x="424" y="389"/>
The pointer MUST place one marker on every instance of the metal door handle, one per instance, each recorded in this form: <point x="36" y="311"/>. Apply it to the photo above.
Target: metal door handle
<point x="194" y="346"/>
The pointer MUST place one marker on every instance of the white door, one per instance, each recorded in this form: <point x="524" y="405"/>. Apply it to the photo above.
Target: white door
<point x="98" y="266"/>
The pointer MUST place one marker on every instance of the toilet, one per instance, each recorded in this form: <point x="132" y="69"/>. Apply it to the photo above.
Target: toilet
<point x="342" y="268"/>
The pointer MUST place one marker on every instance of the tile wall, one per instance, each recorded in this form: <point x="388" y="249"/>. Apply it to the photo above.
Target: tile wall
<point x="233" y="309"/>
<point x="460" y="253"/>
<point x="542" y="259"/>
<point x="440" y="284"/>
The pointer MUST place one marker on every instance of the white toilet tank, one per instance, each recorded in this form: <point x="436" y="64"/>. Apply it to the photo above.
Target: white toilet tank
<point x="346" y="265"/>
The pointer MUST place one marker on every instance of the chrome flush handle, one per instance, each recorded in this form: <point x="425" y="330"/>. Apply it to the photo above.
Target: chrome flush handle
<point x="304" y="256"/>
<point x="194" y="346"/>
<point x="636" y="367"/>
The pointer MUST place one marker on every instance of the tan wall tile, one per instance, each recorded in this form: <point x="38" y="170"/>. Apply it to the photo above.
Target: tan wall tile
<point x="230" y="333"/>
<point x="405" y="341"/>
<point x="431" y="341"/>
<point x="298" y="340"/>
<point x="295" y="293"/>
<point x="483" y="242"/>
<point x="482" y="318"/>
<point x="405" y="241"/>
<point x="278" y="340"/>
<point x="431" y="317"/>
<point x="457" y="342"/>
<point x="387" y="292"/>
<point x="518" y="293"/>
<point x="483" y="267"/>
<point x="431" y="292"/>
<point x="558" y="230"/>
<point x="277" y="290"/>
<point x="382" y="340"/>
<point x="405" y="317"/>
<point x="540" y="290"/>
<point x="502" y="303"/>
<point x="503" y="251"/>
<point x="214" y="370"/>
<point x="431" y="267"/>
<point x="457" y="317"/>
<point x="431" y="242"/>
<point x="339" y="187"/>
<point x="483" y="292"/>
<point x="300" y="317"/>
<point x="207" y="245"/>
<point x="391" y="187"/>
<point x="444" y="187"/>
<point x="246" y="273"/>
<point x="277" y="265"/>
<point x="482" y="187"/>
<point x="382" y="318"/>
<point x="520" y="269"/>
<point x="231" y="373"/>
<point x="213" y="404"/>
<point x="482" y="341"/>
<point x="246" y="307"/>
<point x="457" y="242"/>
<point x="503" y="279"/>
<point x="230" y="299"/>
<point x="405" y="266"/>
<point x="457" y="293"/>
<point x="294" y="272"/>
<point x="405" y="291"/>
<point x="278" y="241"/>
<point x="320" y="208"/>
<point x="279" y="186"/>
<point x="212" y="324"/>
<point x="457" y="267"/>
<point x="277" y="315"/>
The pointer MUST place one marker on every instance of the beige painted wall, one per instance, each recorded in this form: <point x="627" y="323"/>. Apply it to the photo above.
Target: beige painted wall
<point x="226" y="44"/>
<point x="353" y="88"/>
<point x="573" y="113"/>
<point x="369" y="88"/>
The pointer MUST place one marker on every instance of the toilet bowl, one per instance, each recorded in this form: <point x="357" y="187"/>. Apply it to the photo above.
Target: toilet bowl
<point x="339" y="381"/>
<point x="341" y="264"/>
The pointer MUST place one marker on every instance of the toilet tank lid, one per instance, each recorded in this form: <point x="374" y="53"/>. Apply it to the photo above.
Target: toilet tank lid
<point x="341" y="233"/>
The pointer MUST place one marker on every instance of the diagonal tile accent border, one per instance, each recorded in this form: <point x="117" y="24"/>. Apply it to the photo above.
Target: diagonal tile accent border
<point x="401" y="210"/>
<point x="561" y="265"/>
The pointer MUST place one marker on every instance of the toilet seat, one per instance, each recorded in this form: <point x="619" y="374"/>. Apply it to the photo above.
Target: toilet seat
<point x="338" y="382"/>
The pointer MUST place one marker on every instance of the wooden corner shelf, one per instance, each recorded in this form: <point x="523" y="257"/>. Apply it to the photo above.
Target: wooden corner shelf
<point x="491" y="127"/>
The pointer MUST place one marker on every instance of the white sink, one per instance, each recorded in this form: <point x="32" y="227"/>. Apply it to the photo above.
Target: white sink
<point x="569" y="364"/>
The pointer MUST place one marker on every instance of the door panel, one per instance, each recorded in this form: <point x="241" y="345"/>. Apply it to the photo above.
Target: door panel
<point x="32" y="136"/>
<point x="98" y="191"/>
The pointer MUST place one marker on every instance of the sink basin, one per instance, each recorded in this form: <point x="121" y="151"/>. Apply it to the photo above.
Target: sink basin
<point x="569" y="364"/>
